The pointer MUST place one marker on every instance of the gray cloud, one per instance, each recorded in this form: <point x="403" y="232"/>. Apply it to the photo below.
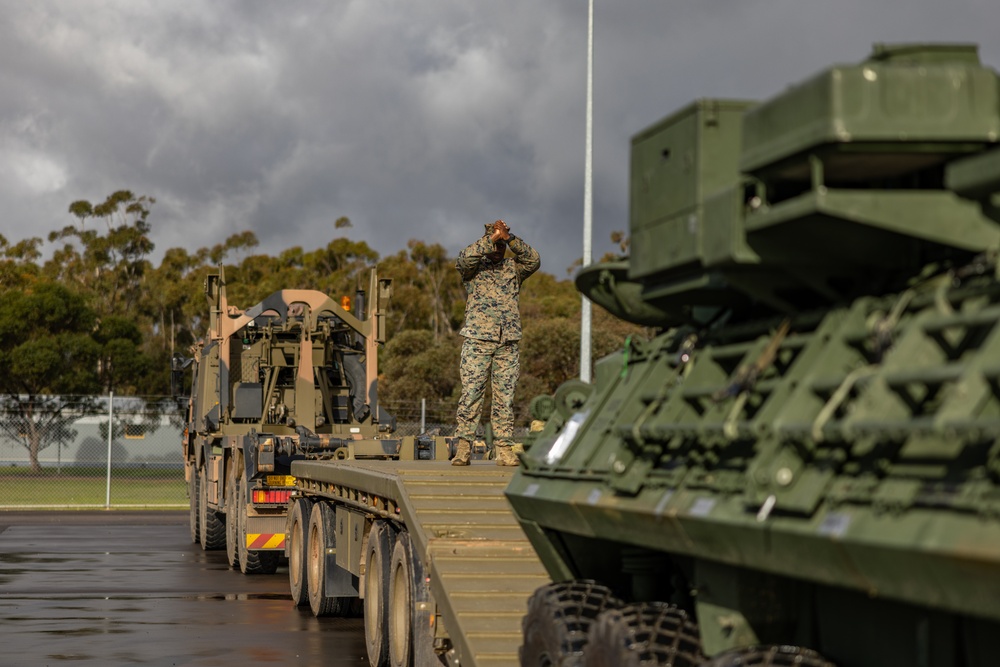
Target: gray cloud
<point x="416" y="120"/>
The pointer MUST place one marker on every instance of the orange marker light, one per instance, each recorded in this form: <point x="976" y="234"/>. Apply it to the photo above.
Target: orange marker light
<point x="345" y="302"/>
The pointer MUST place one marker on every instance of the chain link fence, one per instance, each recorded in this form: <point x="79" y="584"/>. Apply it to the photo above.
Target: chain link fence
<point x="58" y="452"/>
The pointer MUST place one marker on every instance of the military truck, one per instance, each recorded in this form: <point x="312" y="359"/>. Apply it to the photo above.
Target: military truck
<point x="293" y="376"/>
<point x="802" y="465"/>
<point x="288" y="455"/>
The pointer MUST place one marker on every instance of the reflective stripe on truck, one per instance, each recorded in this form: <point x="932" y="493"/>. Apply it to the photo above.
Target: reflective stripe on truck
<point x="261" y="541"/>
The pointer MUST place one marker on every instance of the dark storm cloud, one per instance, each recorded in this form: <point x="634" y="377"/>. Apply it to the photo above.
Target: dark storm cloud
<point x="416" y="120"/>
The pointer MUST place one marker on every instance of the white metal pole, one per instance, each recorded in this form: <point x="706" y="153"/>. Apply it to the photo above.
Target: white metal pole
<point x="111" y="417"/>
<point x="423" y="415"/>
<point x="588" y="197"/>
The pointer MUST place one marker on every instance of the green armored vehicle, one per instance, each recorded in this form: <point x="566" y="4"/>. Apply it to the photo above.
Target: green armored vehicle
<point x="803" y="466"/>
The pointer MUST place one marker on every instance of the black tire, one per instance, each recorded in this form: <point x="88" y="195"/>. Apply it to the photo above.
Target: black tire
<point x="378" y="555"/>
<point x="558" y="620"/>
<point x="232" y="522"/>
<point x="298" y="533"/>
<point x="211" y="525"/>
<point x="773" y="655"/>
<point x="400" y="609"/>
<point x="323" y="536"/>
<point x="651" y="633"/>
<point x="193" y="497"/>
<point x="608" y="643"/>
<point x="251" y="562"/>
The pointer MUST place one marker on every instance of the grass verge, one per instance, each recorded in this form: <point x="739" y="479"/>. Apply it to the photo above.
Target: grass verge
<point x="136" y="487"/>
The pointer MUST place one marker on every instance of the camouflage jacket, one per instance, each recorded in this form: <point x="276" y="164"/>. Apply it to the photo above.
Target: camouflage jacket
<point x="491" y="311"/>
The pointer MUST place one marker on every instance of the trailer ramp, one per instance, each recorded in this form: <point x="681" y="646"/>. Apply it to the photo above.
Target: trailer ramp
<point x="481" y="567"/>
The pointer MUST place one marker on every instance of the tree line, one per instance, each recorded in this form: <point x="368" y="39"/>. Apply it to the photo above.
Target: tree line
<point x="99" y="315"/>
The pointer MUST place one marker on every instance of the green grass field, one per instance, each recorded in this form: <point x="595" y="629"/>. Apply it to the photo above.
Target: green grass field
<point x="20" y="487"/>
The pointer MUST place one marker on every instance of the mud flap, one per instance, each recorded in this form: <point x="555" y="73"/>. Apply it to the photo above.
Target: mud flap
<point x="339" y="582"/>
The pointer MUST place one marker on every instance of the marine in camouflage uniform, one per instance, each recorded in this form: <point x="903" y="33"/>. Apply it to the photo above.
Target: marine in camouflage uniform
<point x="492" y="334"/>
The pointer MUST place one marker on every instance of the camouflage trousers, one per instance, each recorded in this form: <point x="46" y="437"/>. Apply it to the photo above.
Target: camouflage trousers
<point x="482" y="361"/>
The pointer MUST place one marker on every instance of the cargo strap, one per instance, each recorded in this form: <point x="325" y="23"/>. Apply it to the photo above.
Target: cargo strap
<point x="837" y="398"/>
<point x="746" y="376"/>
<point x="882" y="328"/>
<point x="628" y="346"/>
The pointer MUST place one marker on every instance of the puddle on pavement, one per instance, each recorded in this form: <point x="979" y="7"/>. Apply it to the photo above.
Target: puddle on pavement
<point x="86" y="632"/>
<point x="238" y="597"/>
<point x="246" y="596"/>
<point x="74" y="657"/>
<point x="21" y="559"/>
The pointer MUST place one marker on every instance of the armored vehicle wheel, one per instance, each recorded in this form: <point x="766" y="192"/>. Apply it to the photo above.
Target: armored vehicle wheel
<point x="322" y="536"/>
<point x="609" y="642"/>
<point x="769" y="656"/>
<point x="651" y="633"/>
<point x="401" y="603"/>
<point x="211" y="525"/>
<point x="193" y="503"/>
<point x="558" y="619"/>
<point x="298" y="532"/>
<point x="251" y="562"/>
<point x="378" y="553"/>
<point x="232" y="523"/>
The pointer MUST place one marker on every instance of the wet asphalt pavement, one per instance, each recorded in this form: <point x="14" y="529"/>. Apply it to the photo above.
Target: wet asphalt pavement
<point x="129" y="588"/>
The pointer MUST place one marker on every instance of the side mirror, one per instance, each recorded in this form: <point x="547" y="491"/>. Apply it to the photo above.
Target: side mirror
<point x="178" y="364"/>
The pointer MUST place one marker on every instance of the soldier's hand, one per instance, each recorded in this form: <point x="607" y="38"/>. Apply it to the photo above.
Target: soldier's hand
<point x="500" y="231"/>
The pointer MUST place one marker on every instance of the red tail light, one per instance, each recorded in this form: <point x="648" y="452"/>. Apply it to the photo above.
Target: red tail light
<point x="265" y="497"/>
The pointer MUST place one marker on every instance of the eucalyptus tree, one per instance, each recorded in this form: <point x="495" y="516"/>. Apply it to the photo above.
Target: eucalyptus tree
<point x="108" y="264"/>
<point x="18" y="262"/>
<point x="441" y="282"/>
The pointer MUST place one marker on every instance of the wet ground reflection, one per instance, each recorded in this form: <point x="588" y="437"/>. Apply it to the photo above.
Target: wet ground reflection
<point x="82" y="592"/>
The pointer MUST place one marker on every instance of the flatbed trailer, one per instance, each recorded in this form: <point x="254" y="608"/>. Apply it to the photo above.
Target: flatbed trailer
<point x="435" y="552"/>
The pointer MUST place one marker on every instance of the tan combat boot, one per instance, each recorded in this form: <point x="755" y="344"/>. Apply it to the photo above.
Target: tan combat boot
<point x="462" y="453"/>
<point x="506" y="456"/>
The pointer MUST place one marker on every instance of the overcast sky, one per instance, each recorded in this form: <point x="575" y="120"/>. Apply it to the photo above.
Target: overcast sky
<point x="414" y="119"/>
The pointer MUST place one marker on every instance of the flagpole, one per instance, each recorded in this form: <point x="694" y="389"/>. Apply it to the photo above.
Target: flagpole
<point x="588" y="198"/>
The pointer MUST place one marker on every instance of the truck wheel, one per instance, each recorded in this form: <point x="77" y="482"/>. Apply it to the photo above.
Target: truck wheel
<point x="322" y="536"/>
<point x="193" y="496"/>
<point x="769" y="656"/>
<point x="401" y="603"/>
<point x="232" y="507"/>
<point x="558" y="619"/>
<point x="378" y="554"/>
<point x="251" y="562"/>
<point x="211" y="526"/>
<point x="650" y="633"/>
<point x="298" y="531"/>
